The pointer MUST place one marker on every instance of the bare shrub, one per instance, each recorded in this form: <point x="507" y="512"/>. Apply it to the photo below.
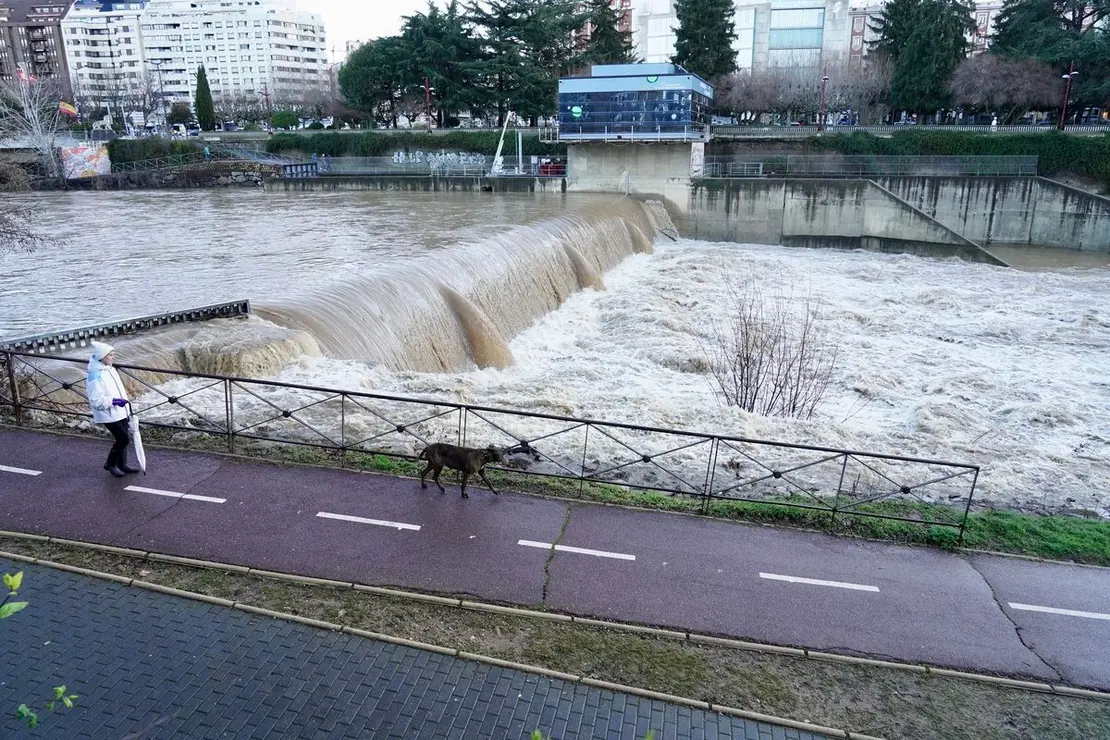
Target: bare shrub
<point x="769" y="354"/>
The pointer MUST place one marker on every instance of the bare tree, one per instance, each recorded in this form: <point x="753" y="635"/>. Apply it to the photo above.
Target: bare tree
<point x="860" y="85"/>
<point x="769" y="355"/>
<point x="29" y="114"/>
<point x="1009" y="87"/>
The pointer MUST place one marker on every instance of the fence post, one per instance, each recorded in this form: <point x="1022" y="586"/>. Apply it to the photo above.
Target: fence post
<point x="710" y="475"/>
<point x="229" y="415"/>
<point x="839" y="488"/>
<point x="16" y="406"/>
<point x="967" y="509"/>
<point x="582" y="466"/>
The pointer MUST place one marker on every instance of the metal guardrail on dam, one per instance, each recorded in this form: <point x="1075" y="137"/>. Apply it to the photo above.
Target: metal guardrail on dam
<point x="834" y="483"/>
<point x="71" y="338"/>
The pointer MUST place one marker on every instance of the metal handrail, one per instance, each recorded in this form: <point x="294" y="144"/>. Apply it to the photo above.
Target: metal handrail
<point x="866" y="165"/>
<point x="765" y="131"/>
<point x="630" y="455"/>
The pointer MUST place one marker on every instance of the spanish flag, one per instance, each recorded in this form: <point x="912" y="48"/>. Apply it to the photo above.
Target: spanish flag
<point x="67" y="108"/>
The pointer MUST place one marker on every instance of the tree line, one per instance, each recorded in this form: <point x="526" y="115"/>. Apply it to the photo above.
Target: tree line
<point x="920" y="62"/>
<point x="485" y="58"/>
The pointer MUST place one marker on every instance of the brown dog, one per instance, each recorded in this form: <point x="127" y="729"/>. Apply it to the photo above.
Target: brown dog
<point x="468" y="460"/>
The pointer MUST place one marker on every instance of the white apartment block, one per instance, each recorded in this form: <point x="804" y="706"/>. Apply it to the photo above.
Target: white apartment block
<point x="785" y="33"/>
<point x="249" y="48"/>
<point x="103" y="46"/>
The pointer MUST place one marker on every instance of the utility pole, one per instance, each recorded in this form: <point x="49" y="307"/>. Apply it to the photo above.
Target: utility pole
<point x="161" y="93"/>
<point x="269" y="111"/>
<point x="427" y="103"/>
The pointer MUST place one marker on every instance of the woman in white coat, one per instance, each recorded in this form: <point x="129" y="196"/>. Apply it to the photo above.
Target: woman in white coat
<point x="108" y="401"/>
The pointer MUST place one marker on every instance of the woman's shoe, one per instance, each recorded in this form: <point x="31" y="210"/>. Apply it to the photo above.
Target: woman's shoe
<point x="116" y="472"/>
<point x="128" y="469"/>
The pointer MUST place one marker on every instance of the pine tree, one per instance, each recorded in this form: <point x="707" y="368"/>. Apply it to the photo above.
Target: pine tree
<point x="206" y="113"/>
<point x="703" y="43"/>
<point x="607" y="43"/>
<point x="925" y="40"/>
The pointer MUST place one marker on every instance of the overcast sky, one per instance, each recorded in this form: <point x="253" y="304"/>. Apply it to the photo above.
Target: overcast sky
<point x="362" y="20"/>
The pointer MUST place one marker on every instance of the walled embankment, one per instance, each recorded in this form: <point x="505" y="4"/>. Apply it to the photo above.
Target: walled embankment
<point x="850" y="214"/>
<point x="200" y="175"/>
<point x="419" y="184"/>
<point x="1010" y="210"/>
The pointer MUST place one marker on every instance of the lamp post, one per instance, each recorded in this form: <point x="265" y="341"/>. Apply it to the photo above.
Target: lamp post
<point x="1067" y="93"/>
<point x="428" y="102"/>
<point x="822" y="113"/>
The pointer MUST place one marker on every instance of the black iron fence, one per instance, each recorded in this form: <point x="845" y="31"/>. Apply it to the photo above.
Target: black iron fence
<point x="704" y="466"/>
<point x="865" y="165"/>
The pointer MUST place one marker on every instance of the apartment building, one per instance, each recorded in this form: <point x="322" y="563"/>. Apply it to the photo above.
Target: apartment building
<point x="31" y="39"/>
<point x="769" y="33"/>
<point x="250" y="49"/>
<point x="104" y="47"/>
<point x="787" y="33"/>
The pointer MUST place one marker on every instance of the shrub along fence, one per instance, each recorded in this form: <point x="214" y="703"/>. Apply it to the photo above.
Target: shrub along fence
<point x="1057" y="153"/>
<point x="371" y="144"/>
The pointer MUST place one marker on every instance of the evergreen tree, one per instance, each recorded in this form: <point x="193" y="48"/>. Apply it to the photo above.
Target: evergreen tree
<point x="526" y="45"/>
<point x="925" y="40"/>
<point x="206" y="113"/>
<point x="1060" y="33"/>
<point x="703" y="39"/>
<point x="607" y="44"/>
<point x="441" y="49"/>
<point x="375" y="76"/>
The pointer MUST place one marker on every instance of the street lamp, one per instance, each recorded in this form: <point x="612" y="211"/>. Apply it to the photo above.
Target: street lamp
<point x="1067" y="93"/>
<point x="428" y="102"/>
<point x="822" y="113"/>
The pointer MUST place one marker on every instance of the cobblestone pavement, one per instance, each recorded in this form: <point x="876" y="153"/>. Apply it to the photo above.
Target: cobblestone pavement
<point x="149" y="665"/>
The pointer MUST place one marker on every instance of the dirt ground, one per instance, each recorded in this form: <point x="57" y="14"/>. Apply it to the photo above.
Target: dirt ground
<point x="878" y="701"/>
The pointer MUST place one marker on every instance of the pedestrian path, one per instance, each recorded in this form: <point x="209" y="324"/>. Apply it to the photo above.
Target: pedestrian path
<point x="151" y="665"/>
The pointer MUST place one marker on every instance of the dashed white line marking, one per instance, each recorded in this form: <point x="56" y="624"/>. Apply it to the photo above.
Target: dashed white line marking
<point x="21" y="471"/>
<point x="815" y="582"/>
<point x="1065" y="612"/>
<point x="579" y="550"/>
<point x="362" y="520"/>
<point x="175" y="494"/>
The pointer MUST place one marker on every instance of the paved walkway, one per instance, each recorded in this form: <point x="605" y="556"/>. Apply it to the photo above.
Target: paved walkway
<point x="1042" y="621"/>
<point x="148" y="665"/>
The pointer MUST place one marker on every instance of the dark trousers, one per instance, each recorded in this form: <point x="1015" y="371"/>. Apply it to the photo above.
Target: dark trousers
<point x="117" y="457"/>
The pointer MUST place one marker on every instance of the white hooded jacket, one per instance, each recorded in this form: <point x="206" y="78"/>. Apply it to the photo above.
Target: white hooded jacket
<point x="102" y="385"/>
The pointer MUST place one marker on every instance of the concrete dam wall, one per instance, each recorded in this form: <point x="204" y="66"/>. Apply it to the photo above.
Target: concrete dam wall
<point x="849" y="214"/>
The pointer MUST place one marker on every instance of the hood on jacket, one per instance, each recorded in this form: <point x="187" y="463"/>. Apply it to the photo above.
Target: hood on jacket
<point x="101" y="350"/>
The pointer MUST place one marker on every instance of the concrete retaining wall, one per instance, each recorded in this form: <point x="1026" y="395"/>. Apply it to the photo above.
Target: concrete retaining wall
<point x="1011" y="210"/>
<point x="848" y="214"/>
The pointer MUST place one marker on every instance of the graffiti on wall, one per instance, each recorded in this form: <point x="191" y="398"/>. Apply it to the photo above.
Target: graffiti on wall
<point x="85" y="161"/>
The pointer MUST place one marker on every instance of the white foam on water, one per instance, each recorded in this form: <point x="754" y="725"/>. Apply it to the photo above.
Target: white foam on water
<point x="939" y="359"/>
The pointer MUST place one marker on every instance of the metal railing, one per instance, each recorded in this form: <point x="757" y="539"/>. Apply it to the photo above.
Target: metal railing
<point x="625" y="132"/>
<point x="58" y="341"/>
<point x="792" y="132"/>
<point x="436" y="165"/>
<point x="862" y="166"/>
<point x="707" y="467"/>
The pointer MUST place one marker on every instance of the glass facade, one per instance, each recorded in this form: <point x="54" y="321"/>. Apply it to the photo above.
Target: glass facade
<point x="646" y="111"/>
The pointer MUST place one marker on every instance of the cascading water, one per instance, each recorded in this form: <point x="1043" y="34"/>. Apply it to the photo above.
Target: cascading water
<point x="453" y="308"/>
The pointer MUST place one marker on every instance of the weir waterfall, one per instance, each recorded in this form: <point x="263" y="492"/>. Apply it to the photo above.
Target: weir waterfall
<point x="451" y="308"/>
